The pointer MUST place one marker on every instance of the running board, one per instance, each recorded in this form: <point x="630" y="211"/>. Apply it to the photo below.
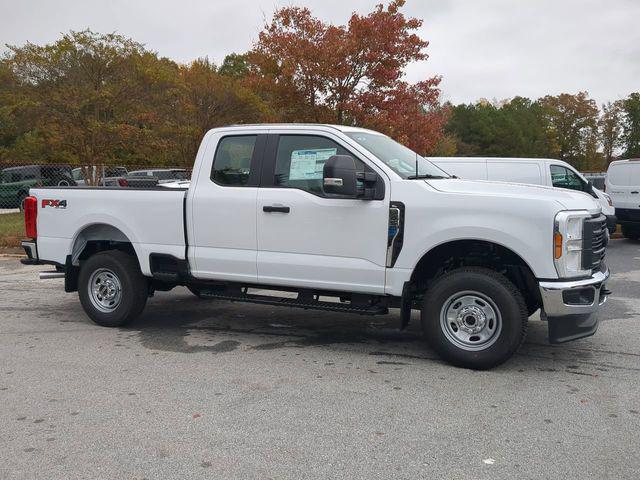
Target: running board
<point x="307" y="304"/>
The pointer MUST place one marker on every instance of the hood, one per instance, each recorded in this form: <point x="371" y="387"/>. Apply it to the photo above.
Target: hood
<point x="567" y="199"/>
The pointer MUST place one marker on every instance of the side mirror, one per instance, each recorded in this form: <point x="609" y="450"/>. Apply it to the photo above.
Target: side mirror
<point x="339" y="176"/>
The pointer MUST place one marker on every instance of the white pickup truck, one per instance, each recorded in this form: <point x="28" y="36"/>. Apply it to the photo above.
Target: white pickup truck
<point x="349" y="221"/>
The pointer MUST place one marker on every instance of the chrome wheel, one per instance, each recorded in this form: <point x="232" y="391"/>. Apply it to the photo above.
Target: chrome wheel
<point x="470" y="320"/>
<point x="105" y="290"/>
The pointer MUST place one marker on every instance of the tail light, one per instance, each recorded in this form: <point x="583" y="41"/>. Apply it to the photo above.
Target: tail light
<point x="123" y="182"/>
<point x="30" y="207"/>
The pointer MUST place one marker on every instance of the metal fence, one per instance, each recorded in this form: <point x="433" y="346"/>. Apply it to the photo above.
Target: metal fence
<point x="16" y="179"/>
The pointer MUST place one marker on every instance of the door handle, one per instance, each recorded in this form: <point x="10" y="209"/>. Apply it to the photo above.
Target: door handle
<point x="634" y="193"/>
<point x="276" y="208"/>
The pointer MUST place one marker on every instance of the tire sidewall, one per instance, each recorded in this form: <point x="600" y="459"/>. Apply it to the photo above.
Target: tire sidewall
<point x="511" y="308"/>
<point x="128" y="304"/>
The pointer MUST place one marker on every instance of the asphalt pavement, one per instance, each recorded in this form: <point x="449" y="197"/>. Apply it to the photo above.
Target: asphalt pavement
<point x="211" y="389"/>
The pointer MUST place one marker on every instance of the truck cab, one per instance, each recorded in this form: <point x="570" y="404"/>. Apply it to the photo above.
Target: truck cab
<point x="350" y="221"/>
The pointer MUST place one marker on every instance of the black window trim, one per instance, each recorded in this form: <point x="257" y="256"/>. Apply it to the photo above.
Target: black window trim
<point x="271" y="153"/>
<point x="257" y="159"/>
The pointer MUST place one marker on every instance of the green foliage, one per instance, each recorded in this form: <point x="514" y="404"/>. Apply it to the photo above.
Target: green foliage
<point x="631" y="126"/>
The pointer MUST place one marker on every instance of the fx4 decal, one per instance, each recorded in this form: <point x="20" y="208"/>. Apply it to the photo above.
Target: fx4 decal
<point x="54" y="203"/>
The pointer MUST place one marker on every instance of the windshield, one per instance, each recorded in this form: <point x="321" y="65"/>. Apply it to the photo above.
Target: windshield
<point x="399" y="158"/>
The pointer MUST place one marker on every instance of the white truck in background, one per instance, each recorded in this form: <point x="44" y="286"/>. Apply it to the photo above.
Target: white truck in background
<point x="349" y="220"/>
<point x="535" y="171"/>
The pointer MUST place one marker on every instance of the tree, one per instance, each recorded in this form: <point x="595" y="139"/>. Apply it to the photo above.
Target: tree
<point x="207" y="100"/>
<point x="350" y="74"/>
<point x="90" y="96"/>
<point x="573" y="123"/>
<point x="511" y="128"/>
<point x="631" y="125"/>
<point x="610" y="125"/>
<point x="234" y="65"/>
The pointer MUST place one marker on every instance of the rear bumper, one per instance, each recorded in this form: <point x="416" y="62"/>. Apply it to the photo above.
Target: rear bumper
<point x="571" y="306"/>
<point x="31" y="249"/>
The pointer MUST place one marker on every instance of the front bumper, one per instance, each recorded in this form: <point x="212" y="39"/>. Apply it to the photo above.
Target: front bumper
<point x="570" y="306"/>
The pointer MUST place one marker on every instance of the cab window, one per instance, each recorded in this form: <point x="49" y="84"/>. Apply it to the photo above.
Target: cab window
<point x="300" y="161"/>
<point x="232" y="161"/>
<point x="562" y="177"/>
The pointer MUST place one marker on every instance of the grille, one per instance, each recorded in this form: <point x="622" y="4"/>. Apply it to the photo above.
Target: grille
<point x="594" y="242"/>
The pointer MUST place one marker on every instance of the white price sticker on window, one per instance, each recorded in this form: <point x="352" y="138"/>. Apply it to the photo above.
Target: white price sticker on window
<point x="308" y="164"/>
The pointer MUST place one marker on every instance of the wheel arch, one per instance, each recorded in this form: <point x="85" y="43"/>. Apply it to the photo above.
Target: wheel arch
<point x="96" y="237"/>
<point x="481" y="253"/>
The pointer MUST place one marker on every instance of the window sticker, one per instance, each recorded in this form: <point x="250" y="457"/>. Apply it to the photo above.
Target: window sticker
<point x="308" y="164"/>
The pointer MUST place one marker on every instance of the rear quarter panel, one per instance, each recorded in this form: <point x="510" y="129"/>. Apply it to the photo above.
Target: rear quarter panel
<point x="152" y="220"/>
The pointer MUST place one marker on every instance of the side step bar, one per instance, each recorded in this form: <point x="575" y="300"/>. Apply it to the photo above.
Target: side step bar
<point x="306" y="303"/>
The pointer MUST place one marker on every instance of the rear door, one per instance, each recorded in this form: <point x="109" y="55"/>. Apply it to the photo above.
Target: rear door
<point x="306" y="239"/>
<point x="623" y="182"/>
<point x="223" y="207"/>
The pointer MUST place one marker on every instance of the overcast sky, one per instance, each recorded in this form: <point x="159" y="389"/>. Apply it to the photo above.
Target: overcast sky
<point x="482" y="48"/>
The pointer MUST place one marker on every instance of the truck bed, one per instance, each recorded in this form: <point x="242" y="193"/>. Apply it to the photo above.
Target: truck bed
<point x="152" y="219"/>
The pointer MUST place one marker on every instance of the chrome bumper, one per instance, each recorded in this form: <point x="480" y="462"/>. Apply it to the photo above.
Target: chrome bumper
<point x="569" y="306"/>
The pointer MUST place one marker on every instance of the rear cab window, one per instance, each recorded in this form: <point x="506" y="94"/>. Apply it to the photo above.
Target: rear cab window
<point x="232" y="162"/>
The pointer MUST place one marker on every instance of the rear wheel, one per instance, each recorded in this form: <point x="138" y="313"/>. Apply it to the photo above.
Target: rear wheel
<point x="111" y="288"/>
<point x="630" y="232"/>
<point x="474" y="317"/>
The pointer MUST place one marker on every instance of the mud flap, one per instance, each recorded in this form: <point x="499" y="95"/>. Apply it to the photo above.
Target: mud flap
<point x="572" y="327"/>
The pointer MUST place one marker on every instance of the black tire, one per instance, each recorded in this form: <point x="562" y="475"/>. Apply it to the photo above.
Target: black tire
<point x="133" y="292"/>
<point x="630" y="232"/>
<point x="63" y="181"/>
<point x="482" y="284"/>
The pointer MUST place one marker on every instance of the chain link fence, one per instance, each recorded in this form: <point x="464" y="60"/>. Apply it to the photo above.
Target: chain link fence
<point x="17" y="178"/>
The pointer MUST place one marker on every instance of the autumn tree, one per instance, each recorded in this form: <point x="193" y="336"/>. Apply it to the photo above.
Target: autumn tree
<point x="312" y="71"/>
<point x="209" y="99"/>
<point x="89" y="94"/>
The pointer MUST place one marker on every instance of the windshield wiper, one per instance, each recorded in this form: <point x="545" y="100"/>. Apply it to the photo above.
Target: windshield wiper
<point x="426" y="176"/>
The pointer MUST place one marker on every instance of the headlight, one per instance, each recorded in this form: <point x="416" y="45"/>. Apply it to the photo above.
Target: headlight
<point x="567" y="243"/>
<point x="608" y="198"/>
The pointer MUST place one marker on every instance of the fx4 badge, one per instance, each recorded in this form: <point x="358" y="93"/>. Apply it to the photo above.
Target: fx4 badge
<point x="54" y="203"/>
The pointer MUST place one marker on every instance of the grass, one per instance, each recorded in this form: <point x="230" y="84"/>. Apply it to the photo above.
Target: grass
<point x="11" y="229"/>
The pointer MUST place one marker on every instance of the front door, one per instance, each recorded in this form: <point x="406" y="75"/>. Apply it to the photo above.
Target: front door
<point x="306" y="239"/>
<point x="223" y="213"/>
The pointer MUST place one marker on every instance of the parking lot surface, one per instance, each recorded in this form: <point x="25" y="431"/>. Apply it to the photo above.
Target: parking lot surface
<point x="198" y="389"/>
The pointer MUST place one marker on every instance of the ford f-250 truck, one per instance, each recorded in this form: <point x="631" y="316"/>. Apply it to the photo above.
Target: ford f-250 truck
<point x="348" y="220"/>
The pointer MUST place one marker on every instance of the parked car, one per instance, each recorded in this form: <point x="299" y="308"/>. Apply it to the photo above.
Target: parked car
<point x="623" y="184"/>
<point x="341" y="216"/>
<point x="16" y="181"/>
<point x="535" y="171"/>
<point x="109" y="176"/>
<point x="163" y="175"/>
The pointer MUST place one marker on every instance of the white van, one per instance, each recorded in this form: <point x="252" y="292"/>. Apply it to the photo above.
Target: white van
<point x="535" y="171"/>
<point x="623" y="184"/>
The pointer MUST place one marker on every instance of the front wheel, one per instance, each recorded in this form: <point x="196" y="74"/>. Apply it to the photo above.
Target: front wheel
<point x="474" y="317"/>
<point x="111" y="288"/>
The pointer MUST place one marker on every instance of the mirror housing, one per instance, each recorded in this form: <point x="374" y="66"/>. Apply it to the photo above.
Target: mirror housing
<point x="339" y="176"/>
